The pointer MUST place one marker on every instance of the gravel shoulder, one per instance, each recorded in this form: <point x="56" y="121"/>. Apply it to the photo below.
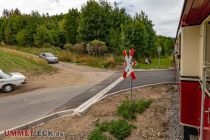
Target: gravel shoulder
<point x="158" y="122"/>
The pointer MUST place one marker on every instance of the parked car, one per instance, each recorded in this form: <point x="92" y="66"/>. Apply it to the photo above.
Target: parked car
<point x="8" y="81"/>
<point x="49" y="57"/>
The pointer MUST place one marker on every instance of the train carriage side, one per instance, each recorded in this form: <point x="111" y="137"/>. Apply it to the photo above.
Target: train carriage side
<point x="192" y="54"/>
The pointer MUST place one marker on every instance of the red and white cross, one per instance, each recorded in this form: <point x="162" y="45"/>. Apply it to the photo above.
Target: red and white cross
<point x="128" y="64"/>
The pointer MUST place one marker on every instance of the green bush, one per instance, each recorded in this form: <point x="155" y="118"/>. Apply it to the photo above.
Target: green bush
<point x="129" y="109"/>
<point x="126" y="110"/>
<point x="78" y="48"/>
<point x="97" y="134"/>
<point x="141" y="106"/>
<point x="97" y="43"/>
<point x="97" y="47"/>
<point x="104" y="127"/>
<point x="67" y="46"/>
<point x="120" y="129"/>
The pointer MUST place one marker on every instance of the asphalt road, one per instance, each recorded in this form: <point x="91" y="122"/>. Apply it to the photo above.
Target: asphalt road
<point x="21" y="108"/>
<point x="18" y="109"/>
<point x="146" y="78"/>
<point x="143" y="78"/>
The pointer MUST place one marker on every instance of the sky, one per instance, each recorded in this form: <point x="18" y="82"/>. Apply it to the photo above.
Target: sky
<point x="165" y="14"/>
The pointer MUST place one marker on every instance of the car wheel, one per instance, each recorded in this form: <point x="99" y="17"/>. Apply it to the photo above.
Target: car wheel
<point x="7" y="88"/>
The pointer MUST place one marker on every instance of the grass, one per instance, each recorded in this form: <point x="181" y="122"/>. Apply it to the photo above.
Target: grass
<point x="11" y="60"/>
<point x="67" y="56"/>
<point x="100" y="62"/>
<point x="128" y="109"/>
<point x="165" y="62"/>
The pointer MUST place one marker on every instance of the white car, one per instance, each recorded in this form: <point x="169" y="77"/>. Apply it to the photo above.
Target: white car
<point x="8" y="81"/>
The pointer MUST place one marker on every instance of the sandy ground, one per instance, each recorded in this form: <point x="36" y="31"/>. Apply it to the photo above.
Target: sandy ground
<point x="67" y="75"/>
<point x="153" y="124"/>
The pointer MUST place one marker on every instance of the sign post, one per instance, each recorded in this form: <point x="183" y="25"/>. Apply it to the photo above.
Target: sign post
<point x="159" y="51"/>
<point x="129" y="65"/>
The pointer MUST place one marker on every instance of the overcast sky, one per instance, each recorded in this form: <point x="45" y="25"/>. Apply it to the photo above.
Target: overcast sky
<point x="165" y="14"/>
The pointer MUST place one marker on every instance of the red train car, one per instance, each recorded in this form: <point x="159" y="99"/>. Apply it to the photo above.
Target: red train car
<point x="192" y="55"/>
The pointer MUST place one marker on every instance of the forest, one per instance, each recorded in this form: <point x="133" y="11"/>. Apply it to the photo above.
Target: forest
<point x="98" y="28"/>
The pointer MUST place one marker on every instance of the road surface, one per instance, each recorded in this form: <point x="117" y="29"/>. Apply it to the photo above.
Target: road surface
<point x="17" y="109"/>
<point x="21" y="108"/>
<point x="143" y="78"/>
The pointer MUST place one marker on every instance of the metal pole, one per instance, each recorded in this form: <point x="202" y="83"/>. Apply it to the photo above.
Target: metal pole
<point x="131" y="86"/>
<point x="203" y="102"/>
<point x="159" y="58"/>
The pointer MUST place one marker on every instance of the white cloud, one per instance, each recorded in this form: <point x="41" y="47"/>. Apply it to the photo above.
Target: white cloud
<point x="164" y="13"/>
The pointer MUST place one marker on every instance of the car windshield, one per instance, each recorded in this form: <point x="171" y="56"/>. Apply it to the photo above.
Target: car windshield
<point x="7" y="74"/>
<point x="49" y="55"/>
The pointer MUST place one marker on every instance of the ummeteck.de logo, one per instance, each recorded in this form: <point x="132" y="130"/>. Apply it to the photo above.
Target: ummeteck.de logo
<point x="32" y="133"/>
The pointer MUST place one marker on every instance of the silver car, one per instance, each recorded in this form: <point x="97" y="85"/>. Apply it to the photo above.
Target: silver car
<point x="49" y="57"/>
<point x="8" y="81"/>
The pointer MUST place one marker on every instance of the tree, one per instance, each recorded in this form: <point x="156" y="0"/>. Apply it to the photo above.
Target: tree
<point x="42" y="36"/>
<point x="166" y="44"/>
<point x="71" y="25"/>
<point x="94" y="21"/>
<point x="21" y="38"/>
<point x="137" y="36"/>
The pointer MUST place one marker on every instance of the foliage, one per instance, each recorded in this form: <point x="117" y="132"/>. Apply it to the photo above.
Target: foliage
<point x="129" y="109"/>
<point x="98" y="23"/>
<point x="42" y="36"/>
<point x="97" y="134"/>
<point x="97" y="47"/>
<point x="166" y="44"/>
<point x="109" y="62"/>
<point x="67" y="46"/>
<point x="21" y="38"/>
<point x="71" y="25"/>
<point x="120" y="129"/>
<point x="79" y="48"/>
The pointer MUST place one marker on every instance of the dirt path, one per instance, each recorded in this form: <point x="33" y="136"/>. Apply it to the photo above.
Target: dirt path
<point x="67" y="75"/>
<point x="153" y="124"/>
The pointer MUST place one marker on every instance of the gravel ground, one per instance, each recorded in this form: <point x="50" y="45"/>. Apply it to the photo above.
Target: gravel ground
<point x="175" y="130"/>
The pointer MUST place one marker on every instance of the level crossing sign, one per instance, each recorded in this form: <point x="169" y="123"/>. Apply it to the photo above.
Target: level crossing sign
<point x="129" y="64"/>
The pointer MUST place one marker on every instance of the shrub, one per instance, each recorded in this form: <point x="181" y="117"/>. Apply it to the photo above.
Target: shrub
<point x="79" y="48"/>
<point x="126" y="110"/>
<point x="97" y="47"/>
<point x="109" y="62"/>
<point x="102" y="50"/>
<point x="120" y="129"/>
<point x="129" y="109"/>
<point x="65" y="56"/>
<point x="104" y="127"/>
<point x="67" y="46"/>
<point x="97" y="134"/>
